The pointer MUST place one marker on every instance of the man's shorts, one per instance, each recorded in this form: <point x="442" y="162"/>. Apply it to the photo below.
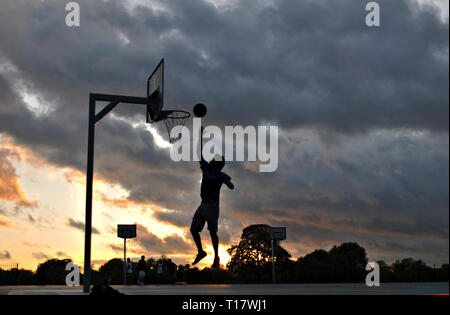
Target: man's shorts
<point x="208" y="211"/>
<point x="141" y="274"/>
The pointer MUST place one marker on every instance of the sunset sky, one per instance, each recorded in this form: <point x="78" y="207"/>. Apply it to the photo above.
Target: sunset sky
<point x="363" y="117"/>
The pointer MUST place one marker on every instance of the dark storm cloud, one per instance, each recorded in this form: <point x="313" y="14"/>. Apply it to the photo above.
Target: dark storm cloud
<point x="421" y="226"/>
<point x="375" y="102"/>
<point x="79" y="225"/>
<point x="362" y="189"/>
<point x="164" y="246"/>
<point x="176" y="218"/>
<point x="5" y="255"/>
<point x="62" y="255"/>
<point x="312" y="63"/>
<point x="302" y="63"/>
<point x="119" y="249"/>
<point x="183" y="219"/>
<point x="40" y="256"/>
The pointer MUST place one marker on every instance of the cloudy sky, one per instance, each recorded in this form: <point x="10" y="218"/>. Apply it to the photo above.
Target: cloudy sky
<point x="363" y="117"/>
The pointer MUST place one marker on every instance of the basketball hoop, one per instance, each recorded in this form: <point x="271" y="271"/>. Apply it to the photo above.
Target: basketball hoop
<point x="174" y="119"/>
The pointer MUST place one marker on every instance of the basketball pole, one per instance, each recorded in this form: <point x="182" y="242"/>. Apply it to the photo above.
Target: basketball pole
<point x="124" y="261"/>
<point x="94" y="119"/>
<point x="273" y="264"/>
<point x="89" y="184"/>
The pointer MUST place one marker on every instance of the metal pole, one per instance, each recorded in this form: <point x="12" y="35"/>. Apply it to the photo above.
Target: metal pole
<point x="115" y="100"/>
<point x="89" y="182"/>
<point x="273" y="264"/>
<point x="124" y="261"/>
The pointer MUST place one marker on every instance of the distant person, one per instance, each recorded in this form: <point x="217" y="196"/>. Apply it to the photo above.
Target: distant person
<point x="159" y="272"/>
<point x="180" y="273"/>
<point x="129" y="270"/>
<point x="141" y="267"/>
<point x="173" y="270"/>
<point x="208" y="211"/>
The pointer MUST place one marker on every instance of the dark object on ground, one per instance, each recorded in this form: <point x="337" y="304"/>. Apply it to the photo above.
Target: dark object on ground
<point x="104" y="290"/>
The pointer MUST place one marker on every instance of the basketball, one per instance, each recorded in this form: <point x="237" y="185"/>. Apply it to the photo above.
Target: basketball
<point x="200" y="110"/>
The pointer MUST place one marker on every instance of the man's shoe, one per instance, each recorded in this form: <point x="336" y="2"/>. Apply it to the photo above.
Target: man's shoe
<point x="216" y="264"/>
<point x="199" y="257"/>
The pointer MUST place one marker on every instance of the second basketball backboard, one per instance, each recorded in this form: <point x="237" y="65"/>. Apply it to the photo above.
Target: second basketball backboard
<point x="277" y="233"/>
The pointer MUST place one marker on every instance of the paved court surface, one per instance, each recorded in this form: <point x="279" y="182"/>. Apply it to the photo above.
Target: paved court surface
<point x="265" y="289"/>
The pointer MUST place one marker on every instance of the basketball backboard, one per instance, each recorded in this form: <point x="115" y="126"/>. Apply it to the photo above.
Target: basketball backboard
<point x="155" y="93"/>
<point x="277" y="233"/>
<point x="126" y="231"/>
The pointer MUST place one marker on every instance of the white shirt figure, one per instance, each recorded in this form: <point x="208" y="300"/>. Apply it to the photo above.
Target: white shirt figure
<point x="160" y="268"/>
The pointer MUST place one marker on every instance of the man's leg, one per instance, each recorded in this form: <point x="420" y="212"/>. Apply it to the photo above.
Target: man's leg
<point x="197" y="240"/>
<point x="215" y="243"/>
<point x="213" y="226"/>
<point x="201" y="253"/>
<point x="198" y="222"/>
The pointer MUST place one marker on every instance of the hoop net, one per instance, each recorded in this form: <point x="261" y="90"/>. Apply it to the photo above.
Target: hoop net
<point x="175" y="120"/>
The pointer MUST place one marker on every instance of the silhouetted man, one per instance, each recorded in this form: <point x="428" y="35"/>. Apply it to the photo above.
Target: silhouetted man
<point x="141" y="267"/>
<point x="129" y="270"/>
<point x="208" y="211"/>
<point x="159" y="272"/>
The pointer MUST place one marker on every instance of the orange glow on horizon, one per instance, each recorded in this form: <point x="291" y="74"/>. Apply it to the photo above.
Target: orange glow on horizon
<point x="43" y="231"/>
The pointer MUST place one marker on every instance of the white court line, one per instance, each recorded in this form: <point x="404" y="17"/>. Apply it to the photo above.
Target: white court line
<point x="46" y="292"/>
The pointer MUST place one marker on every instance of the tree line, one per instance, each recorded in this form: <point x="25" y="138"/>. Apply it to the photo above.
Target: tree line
<point x="250" y="263"/>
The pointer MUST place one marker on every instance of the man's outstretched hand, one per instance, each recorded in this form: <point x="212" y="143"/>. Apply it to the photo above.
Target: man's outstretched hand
<point x="230" y="185"/>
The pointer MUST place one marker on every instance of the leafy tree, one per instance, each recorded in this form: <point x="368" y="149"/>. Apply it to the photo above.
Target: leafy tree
<point x="316" y="267"/>
<point x="349" y="260"/>
<point x="24" y="277"/>
<point x="251" y="257"/>
<point x="410" y="270"/>
<point x="16" y="277"/>
<point x="111" y="272"/>
<point x="53" y="271"/>
<point x="344" y="263"/>
<point x="442" y="273"/>
<point x="386" y="272"/>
